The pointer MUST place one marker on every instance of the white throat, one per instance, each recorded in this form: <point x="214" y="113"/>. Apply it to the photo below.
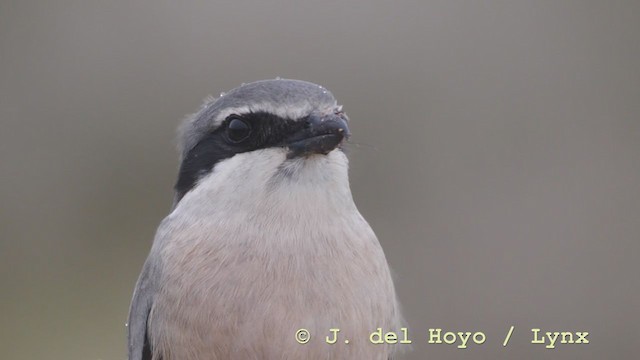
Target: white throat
<point x="264" y="182"/>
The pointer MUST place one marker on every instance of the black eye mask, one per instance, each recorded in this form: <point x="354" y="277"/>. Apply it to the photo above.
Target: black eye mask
<point x="237" y="134"/>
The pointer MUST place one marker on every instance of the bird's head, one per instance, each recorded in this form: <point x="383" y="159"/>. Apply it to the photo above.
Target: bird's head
<point x="263" y="135"/>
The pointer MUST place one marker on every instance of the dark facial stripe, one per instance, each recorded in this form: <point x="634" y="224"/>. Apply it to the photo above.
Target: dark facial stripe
<point x="267" y="131"/>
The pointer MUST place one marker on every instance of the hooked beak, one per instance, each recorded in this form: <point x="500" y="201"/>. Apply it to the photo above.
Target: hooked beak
<point x="321" y="135"/>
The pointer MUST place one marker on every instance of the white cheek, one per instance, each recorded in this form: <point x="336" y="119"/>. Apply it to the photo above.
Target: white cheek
<point x="267" y="178"/>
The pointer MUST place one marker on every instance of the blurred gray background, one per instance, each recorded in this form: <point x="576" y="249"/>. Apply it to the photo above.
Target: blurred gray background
<point x="498" y="157"/>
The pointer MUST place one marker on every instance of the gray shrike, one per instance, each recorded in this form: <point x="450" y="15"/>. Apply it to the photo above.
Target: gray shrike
<point x="263" y="239"/>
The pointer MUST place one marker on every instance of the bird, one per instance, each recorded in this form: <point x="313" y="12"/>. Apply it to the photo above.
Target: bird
<point x="263" y="241"/>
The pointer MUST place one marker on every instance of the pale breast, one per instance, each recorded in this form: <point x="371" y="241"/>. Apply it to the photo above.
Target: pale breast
<point x="244" y="292"/>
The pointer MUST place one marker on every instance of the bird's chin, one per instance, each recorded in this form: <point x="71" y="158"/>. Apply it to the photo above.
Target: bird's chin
<point x="313" y="167"/>
<point x="316" y="145"/>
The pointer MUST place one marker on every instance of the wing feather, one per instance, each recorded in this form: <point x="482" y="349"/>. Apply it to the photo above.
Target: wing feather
<point x="139" y="347"/>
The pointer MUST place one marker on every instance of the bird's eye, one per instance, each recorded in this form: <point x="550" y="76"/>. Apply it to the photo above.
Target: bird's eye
<point x="238" y="130"/>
